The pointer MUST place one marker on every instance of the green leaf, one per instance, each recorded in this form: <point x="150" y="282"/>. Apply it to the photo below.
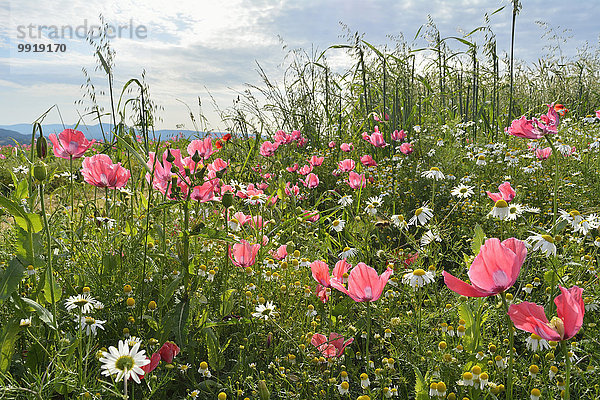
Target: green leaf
<point x="215" y="358"/>
<point x="227" y="302"/>
<point x="478" y="239"/>
<point x="22" y="189"/>
<point x="8" y="338"/>
<point x="421" y="388"/>
<point x="10" y="278"/>
<point x="45" y="315"/>
<point x="30" y="222"/>
<point x="46" y="293"/>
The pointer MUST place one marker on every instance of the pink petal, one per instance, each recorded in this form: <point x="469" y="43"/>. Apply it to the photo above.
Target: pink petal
<point x="530" y="317"/>
<point x="462" y="288"/>
<point x="570" y="308"/>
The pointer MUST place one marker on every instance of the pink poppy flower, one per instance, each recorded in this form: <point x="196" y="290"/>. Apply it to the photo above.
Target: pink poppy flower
<point x="292" y="190"/>
<point x="311" y="216"/>
<point x="346" y="165"/>
<point x="282" y="138"/>
<point x="206" y="191"/>
<point x="100" y="171"/>
<point x="363" y="283"/>
<point x="376" y="139"/>
<point x="151" y="366"/>
<point x="494" y="270"/>
<point x="570" y="309"/>
<point x="543" y="154"/>
<point x="378" y="119"/>
<point x="311" y="181"/>
<point x="356" y="180"/>
<point x="293" y="168"/>
<point x="332" y="347"/>
<point x="331" y="144"/>
<point x="267" y="149"/>
<point x="398" y="135"/>
<point x="346" y="147"/>
<point x="598" y="114"/>
<point x="281" y="252"/>
<point x="305" y="170"/>
<point x="368" y="161"/>
<point x="320" y="271"/>
<point x="70" y="143"/>
<point x="244" y="254"/>
<point x="203" y="147"/>
<point x="296" y="135"/>
<point x="168" y="351"/>
<point x="316" y="161"/>
<point x="507" y="193"/>
<point x="406" y="148"/>
<point x="535" y="128"/>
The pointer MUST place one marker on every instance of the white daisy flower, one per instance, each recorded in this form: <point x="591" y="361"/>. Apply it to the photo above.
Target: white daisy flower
<point x="85" y="301"/>
<point x="257" y="198"/>
<point x="338" y="225"/>
<point x="481" y="160"/>
<point x="348" y="252"/>
<point x="430" y="236"/>
<point x="418" y="278"/>
<point x="500" y="210"/>
<point x="123" y="362"/>
<point x="264" y="311"/>
<point x="535" y="343"/>
<point x="25" y="322"/>
<point x="345" y="201"/>
<point x="462" y="191"/>
<point x="421" y="217"/>
<point x="343" y="388"/>
<point x="89" y="325"/>
<point x="204" y="369"/>
<point x="543" y="242"/>
<point x="399" y="222"/>
<point x="433" y="173"/>
<point x="514" y="210"/>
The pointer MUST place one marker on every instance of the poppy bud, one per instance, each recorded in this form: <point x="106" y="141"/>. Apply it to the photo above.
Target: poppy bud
<point x="39" y="172"/>
<point x="227" y="199"/>
<point x="41" y="146"/>
<point x="170" y="157"/>
<point x="196" y="157"/>
<point x="263" y="391"/>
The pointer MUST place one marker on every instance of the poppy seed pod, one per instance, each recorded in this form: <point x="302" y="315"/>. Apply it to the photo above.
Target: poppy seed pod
<point x="196" y="157"/>
<point x="39" y="172"/>
<point x="227" y="199"/>
<point x="170" y="157"/>
<point x="41" y="146"/>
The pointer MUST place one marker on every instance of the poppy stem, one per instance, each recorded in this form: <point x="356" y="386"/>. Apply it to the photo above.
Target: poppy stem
<point x="368" y="356"/>
<point x="511" y="340"/>
<point x="565" y="350"/>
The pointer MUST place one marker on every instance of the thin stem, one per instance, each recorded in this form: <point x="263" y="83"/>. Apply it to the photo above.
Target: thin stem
<point x="368" y="356"/>
<point x="511" y="339"/>
<point x="567" y="368"/>
<point x="49" y="270"/>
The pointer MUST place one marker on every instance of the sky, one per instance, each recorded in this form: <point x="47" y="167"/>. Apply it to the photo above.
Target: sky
<point x="191" y="48"/>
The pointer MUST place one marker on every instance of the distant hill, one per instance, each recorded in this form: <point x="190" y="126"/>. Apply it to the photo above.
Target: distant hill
<point x="7" y="136"/>
<point x="94" y="131"/>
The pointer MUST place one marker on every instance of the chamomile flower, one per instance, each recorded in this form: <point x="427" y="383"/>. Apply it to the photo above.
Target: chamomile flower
<point x="433" y="173"/>
<point x="338" y="225"/>
<point x="126" y="363"/>
<point x="204" y="369"/>
<point x="345" y="200"/>
<point x="421" y="217"/>
<point x="500" y="210"/>
<point x="25" y="323"/>
<point x="418" y="278"/>
<point x="265" y="311"/>
<point x="462" y="191"/>
<point x="542" y="242"/>
<point x="400" y="222"/>
<point x="348" y="252"/>
<point x="343" y="388"/>
<point x="194" y="394"/>
<point x="430" y="236"/>
<point x="256" y="198"/>
<point x="84" y="301"/>
<point x="514" y="210"/>
<point x="89" y="325"/>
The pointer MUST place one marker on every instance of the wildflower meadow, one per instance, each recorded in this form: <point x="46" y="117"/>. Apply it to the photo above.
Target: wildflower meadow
<point x="424" y="225"/>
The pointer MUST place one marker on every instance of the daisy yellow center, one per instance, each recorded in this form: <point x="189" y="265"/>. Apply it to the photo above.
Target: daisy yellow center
<point x="90" y="320"/>
<point x="436" y="169"/>
<point x="125" y="363"/>
<point x="346" y="249"/>
<point x="336" y="222"/>
<point x="463" y="190"/>
<point x="501" y="204"/>
<point x="419" y="272"/>
<point x="548" y="238"/>
<point x="574" y="213"/>
<point x="80" y="302"/>
<point x="481" y="157"/>
<point x="418" y="212"/>
<point x="255" y="197"/>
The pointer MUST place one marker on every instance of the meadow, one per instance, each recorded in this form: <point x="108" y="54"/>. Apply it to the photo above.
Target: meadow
<point x="421" y="226"/>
